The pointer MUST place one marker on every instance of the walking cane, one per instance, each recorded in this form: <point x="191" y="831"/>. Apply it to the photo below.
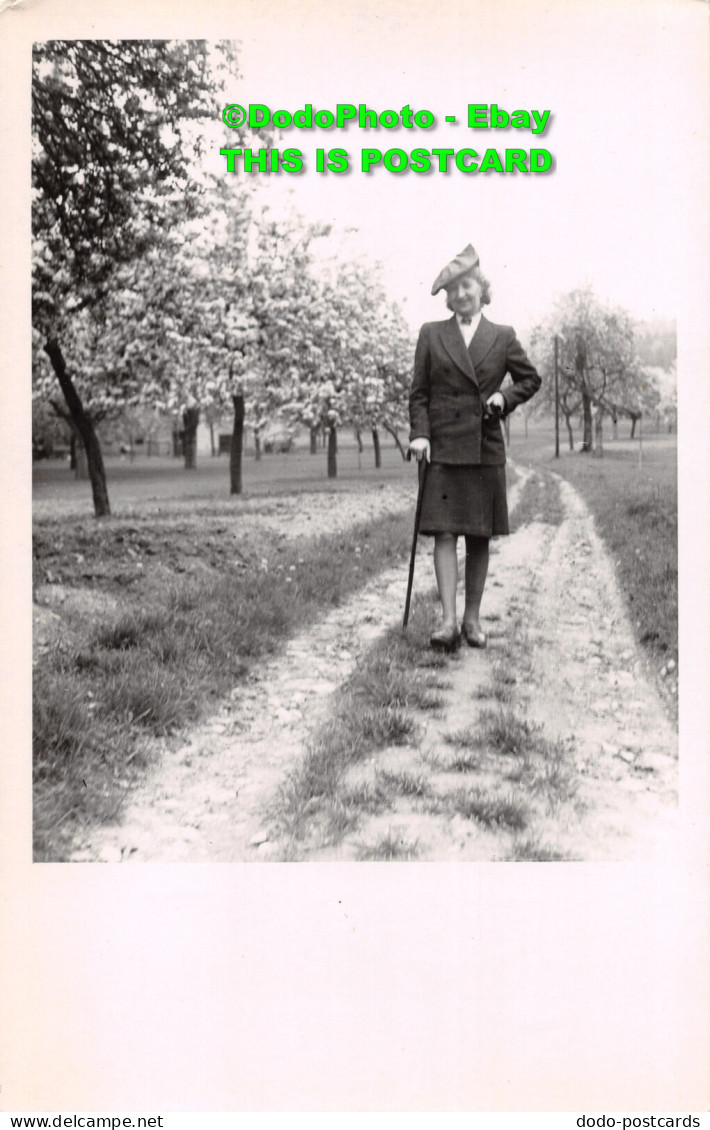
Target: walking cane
<point x="422" y="478"/>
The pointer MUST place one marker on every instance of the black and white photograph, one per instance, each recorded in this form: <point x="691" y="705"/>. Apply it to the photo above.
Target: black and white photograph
<point x="230" y="385"/>
<point x="363" y="357"/>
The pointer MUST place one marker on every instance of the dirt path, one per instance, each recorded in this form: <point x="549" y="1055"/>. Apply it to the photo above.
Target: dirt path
<point x="552" y="589"/>
<point x="556" y="619"/>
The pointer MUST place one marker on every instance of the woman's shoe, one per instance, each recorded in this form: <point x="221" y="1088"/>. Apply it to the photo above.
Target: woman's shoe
<point x="473" y="636"/>
<point x="446" y="639"/>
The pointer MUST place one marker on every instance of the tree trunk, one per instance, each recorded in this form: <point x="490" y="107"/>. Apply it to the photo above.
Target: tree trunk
<point x="586" y="422"/>
<point x="257" y="443"/>
<point x="84" y="425"/>
<point x="615" y="426"/>
<point x="332" y="452"/>
<point x="570" y="434"/>
<point x="580" y="366"/>
<point x="395" y="437"/>
<point x="358" y="440"/>
<point x="236" y="449"/>
<point x="72" y="451"/>
<point x="598" y="433"/>
<point x="633" y="426"/>
<point x="376" y="445"/>
<point x="190" y="419"/>
<point x="314" y="441"/>
<point x="212" y="445"/>
<point x="81" y="462"/>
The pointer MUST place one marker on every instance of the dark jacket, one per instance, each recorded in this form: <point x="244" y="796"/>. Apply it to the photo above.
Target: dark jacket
<point x="451" y="385"/>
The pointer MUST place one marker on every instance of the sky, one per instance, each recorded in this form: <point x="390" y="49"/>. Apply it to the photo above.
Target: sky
<point x="623" y="83"/>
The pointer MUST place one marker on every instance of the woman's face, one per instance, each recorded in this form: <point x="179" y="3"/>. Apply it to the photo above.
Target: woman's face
<point x="464" y="295"/>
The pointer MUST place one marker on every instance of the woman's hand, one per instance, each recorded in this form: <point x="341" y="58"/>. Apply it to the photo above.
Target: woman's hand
<point x="497" y="400"/>
<point x="421" y="449"/>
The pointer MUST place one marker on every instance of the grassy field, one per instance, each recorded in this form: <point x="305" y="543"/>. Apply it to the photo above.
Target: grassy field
<point x="161" y="617"/>
<point x="167" y="604"/>
<point x="157" y="479"/>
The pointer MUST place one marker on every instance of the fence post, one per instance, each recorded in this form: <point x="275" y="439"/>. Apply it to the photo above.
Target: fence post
<point x="557" y="402"/>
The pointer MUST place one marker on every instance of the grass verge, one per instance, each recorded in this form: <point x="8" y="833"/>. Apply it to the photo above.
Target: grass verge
<point x="493" y="808"/>
<point x="314" y="807"/>
<point x="638" y="520"/>
<point x="510" y="773"/>
<point x="390" y="846"/>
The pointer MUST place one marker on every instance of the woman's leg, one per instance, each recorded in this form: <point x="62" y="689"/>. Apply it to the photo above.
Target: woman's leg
<point x="446" y="567"/>
<point x="476" y="573"/>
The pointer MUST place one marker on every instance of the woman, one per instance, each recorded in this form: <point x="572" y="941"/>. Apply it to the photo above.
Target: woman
<point x="455" y="408"/>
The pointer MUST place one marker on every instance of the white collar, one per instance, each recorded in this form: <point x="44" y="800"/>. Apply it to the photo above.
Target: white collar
<point x="469" y="330"/>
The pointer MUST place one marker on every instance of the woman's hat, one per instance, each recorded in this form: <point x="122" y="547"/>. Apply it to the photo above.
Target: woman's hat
<point x="464" y="261"/>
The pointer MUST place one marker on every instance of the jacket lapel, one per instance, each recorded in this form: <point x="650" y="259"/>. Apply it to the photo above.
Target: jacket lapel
<point x="454" y="345"/>
<point x="481" y="342"/>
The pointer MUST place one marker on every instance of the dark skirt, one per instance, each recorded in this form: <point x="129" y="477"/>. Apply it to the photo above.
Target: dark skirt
<point x="464" y="499"/>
